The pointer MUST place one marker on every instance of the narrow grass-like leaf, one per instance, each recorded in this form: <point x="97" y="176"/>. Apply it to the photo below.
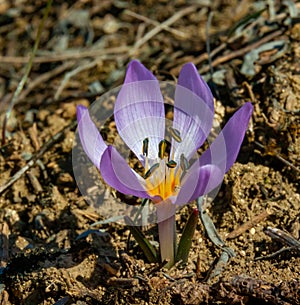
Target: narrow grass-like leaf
<point x="137" y="215"/>
<point x="209" y="226"/>
<point x="213" y="234"/>
<point x="140" y="209"/>
<point x="187" y="236"/>
<point x="143" y="242"/>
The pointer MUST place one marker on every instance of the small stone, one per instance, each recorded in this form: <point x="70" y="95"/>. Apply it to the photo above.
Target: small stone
<point x="243" y="253"/>
<point x="64" y="178"/>
<point x="252" y="231"/>
<point x="21" y="242"/>
<point x="111" y="25"/>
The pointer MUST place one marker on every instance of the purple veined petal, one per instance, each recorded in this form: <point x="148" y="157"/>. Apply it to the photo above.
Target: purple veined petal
<point x="137" y="72"/>
<point x="190" y="78"/>
<point x="193" y="111"/>
<point x="90" y="138"/>
<point x="139" y="111"/>
<point x="225" y="148"/>
<point x="113" y="168"/>
<point x="198" y="181"/>
<point x="117" y="173"/>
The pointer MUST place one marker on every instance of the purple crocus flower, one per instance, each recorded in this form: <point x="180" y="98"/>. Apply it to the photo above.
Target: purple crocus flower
<point x="171" y="177"/>
<point x="140" y="119"/>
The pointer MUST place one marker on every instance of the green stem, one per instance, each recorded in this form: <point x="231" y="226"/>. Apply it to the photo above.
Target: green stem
<point x="186" y="237"/>
<point x="167" y="239"/>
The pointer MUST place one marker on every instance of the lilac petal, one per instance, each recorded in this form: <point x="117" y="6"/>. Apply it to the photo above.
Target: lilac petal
<point x="137" y="72"/>
<point x="193" y="111"/>
<point x="191" y="79"/>
<point x="117" y="173"/>
<point x="225" y="148"/>
<point x="139" y="111"/>
<point x="198" y="181"/>
<point x="113" y="168"/>
<point x="91" y="140"/>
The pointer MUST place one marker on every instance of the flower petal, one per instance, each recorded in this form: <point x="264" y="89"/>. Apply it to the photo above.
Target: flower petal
<point x="193" y="111"/>
<point x="139" y="111"/>
<point x="91" y="140"/>
<point x="225" y="148"/>
<point x="117" y="173"/>
<point x="198" y="181"/>
<point x="137" y="72"/>
<point x="113" y="168"/>
<point x="191" y="79"/>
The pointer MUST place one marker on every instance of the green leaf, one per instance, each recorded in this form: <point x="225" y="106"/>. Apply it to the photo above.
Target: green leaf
<point x="209" y="226"/>
<point x="186" y="237"/>
<point x="143" y="242"/>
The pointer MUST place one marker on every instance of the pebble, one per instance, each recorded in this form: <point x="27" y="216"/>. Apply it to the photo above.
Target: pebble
<point x="252" y="231"/>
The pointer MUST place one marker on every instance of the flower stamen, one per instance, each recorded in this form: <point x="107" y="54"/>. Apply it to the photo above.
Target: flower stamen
<point x="184" y="163"/>
<point x="152" y="169"/>
<point x="162" y="146"/>
<point x="175" y="134"/>
<point x="163" y="178"/>
<point x="145" y="147"/>
<point x="171" y="164"/>
<point x="145" y="152"/>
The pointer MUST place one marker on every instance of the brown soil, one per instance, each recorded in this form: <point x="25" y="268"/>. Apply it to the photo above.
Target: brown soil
<point x="42" y="212"/>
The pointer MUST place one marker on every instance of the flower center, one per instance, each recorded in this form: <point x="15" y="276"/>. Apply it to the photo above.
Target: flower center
<point x="163" y="178"/>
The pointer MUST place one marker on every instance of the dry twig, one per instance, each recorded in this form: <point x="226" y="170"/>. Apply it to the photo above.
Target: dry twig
<point x="82" y="67"/>
<point x="286" y="162"/>
<point x="248" y="225"/>
<point x="156" y="23"/>
<point x="66" y="55"/>
<point x="162" y="26"/>
<point x="44" y="78"/>
<point x="241" y="52"/>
